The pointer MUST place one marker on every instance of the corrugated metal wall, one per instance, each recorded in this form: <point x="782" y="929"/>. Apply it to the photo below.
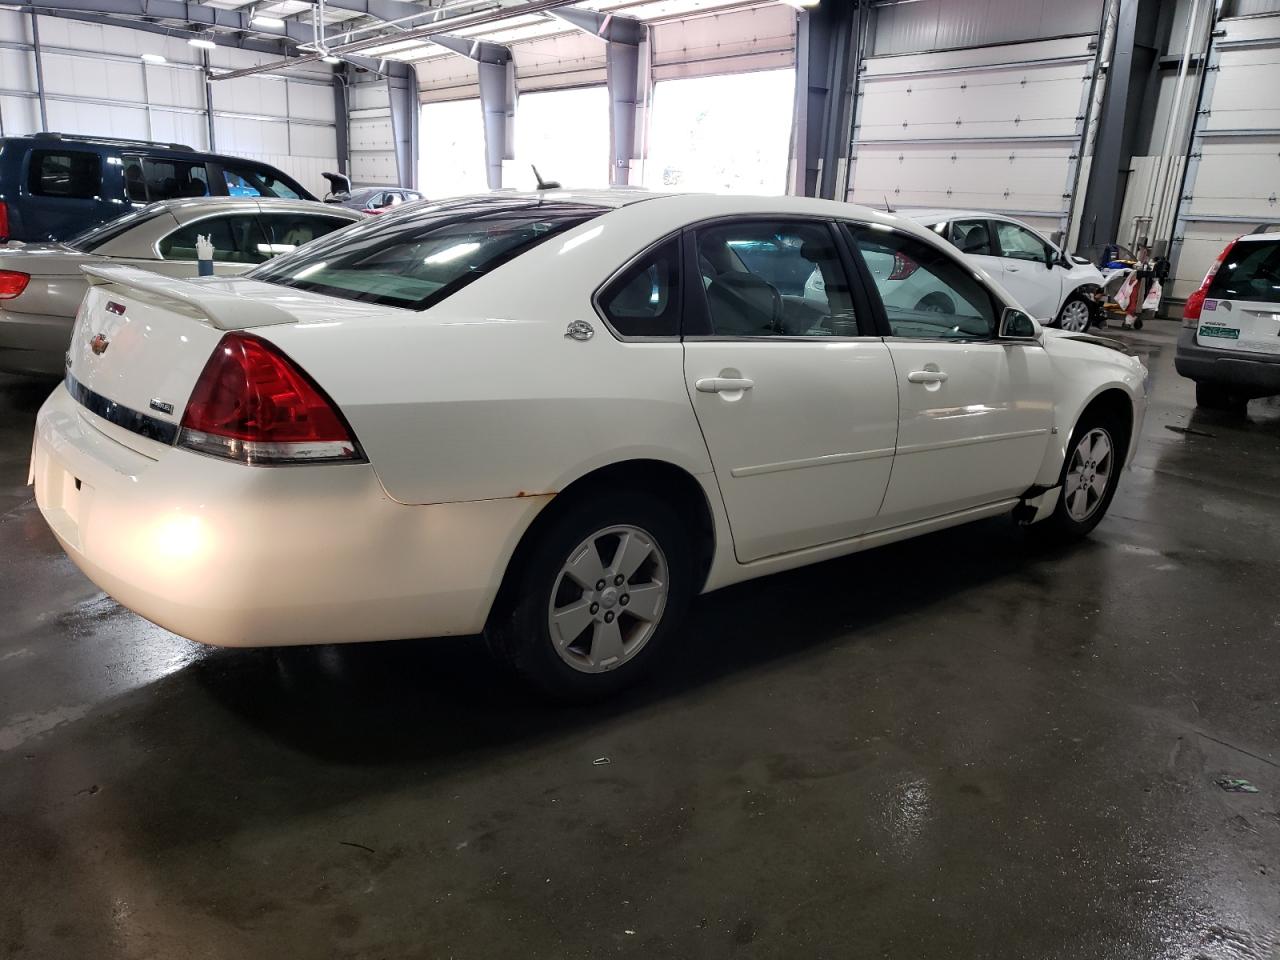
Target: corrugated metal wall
<point x="920" y="25"/>
<point x="1249" y="8"/>
<point x="95" y="84"/>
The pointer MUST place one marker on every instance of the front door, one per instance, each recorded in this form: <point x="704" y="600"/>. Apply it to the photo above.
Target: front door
<point x="796" y="400"/>
<point x="1031" y="270"/>
<point x="974" y="412"/>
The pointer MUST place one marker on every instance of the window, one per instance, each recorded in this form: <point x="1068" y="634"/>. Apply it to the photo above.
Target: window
<point x="73" y="174"/>
<point x="135" y="181"/>
<point x="972" y="236"/>
<point x="238" y="238"/>
<point x="565" y="134"/>
<point x="257" y="182"/>
<point x="774" y="279"/>
<point x="926" y="293"/>
<point x="729" y="133"/>
<point x="1251" y="273"/>
<point x="1019" y="243"/>
<point x="645" y="300"/>
<point x="169" y="179"/>
<point x="288" y="231"/>
<point x="417" y="261"/>
<point x="452" y="161"/>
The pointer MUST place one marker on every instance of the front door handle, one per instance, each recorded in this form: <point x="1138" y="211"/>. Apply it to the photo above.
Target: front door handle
<point x="1013" y="269"/>
<point x="723" y="384"/>
<point x="927" y="376"/>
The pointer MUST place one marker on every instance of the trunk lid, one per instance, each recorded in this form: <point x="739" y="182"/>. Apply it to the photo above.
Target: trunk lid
<point x="56" y="285"/>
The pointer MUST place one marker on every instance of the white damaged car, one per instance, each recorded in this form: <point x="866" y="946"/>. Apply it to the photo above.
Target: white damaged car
<point x="554" y="419"/>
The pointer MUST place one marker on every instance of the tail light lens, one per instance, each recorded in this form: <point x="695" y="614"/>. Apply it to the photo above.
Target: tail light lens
<point x="1195" y="302"/>
<point x="254" y="405"/>
<point x="903" y="267"/>
<point x="12" y="283"/>
<point x="4" y="221"/>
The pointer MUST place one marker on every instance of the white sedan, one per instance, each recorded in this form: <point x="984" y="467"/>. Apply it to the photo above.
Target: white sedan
<point x="554" y="419"/>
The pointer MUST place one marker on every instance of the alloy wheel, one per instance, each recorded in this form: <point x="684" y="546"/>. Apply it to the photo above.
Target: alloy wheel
<point x="1075" y="316"/>
<point x="1088" y="474"/>
<point x="608" y="599"/>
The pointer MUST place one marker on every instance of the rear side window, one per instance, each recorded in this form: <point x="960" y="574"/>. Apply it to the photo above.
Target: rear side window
<point x="644" y="301"/>
<point x="73" y="174"/>
<point x="170" y="179"/>
<point x="415" y="261"/>
<point x="238" y="238"/>
<point x="257" y="182"/>
<point x="1252" y="272"/>
<point x="288" y="231"/>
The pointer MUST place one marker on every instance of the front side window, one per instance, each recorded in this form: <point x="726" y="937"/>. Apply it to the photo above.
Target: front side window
<point x="257" y="182"/>
<point x="71" y="174"/>
<point x="1252" y="272"/>
<point x="774" y="279"/>
<point x="288" y="231"/>
<point x="644" y="301"/>
<point x="926" y="293"/>
<point x="416" y="260"/>
<point x="171" y="179"/>
<point x="237" y="238"/>
<point x="1019" y="243"/>
<point x="972" y="236"/>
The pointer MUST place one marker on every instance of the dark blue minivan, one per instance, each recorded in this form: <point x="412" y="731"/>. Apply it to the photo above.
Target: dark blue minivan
<point x="53" y="185"/>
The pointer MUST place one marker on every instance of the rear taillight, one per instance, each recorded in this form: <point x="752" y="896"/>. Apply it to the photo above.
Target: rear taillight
<point x="1195" y="302"/>
<point x="4" y="221"/>
<point x="12" y="283"/>
<point x="903" y="267"/>
<point x="254" y="405"/>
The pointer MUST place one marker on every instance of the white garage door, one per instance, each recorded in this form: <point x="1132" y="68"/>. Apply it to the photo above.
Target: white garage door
<point x="1233" y="173"/>
<point x="988" y="128"/>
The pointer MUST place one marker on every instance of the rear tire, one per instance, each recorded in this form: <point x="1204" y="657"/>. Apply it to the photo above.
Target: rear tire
<point x="596" y="598"/>
<point x="1214" y="396"/>
<point x="1088" y="481"/>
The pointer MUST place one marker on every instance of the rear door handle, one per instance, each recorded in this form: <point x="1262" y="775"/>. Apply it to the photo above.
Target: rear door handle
<point x="723" y="384"/>
<point x="927" y="376"/>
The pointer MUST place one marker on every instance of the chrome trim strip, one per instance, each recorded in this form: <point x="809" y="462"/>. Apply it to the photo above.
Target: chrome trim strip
<point x="967" y="441"/>
<point x="122" y="416"/>
<point x="826" y="459"/>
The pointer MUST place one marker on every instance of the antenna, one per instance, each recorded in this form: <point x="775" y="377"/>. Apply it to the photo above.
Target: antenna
<point x="887" y="208"/>
<point x="544" y="184"/>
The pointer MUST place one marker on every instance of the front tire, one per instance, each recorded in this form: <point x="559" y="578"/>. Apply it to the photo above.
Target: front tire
<point x="1075" y="315"/>
<point x="596" y="597"/>
<point x="1090" y="475"/>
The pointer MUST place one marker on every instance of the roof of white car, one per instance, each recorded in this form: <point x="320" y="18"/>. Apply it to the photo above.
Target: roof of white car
<point x="938" y="214"/>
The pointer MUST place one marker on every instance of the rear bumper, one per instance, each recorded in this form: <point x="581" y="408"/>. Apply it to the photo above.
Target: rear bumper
<point x="1253" y="373"/>
<point x="255" y="556"/>
<point x="33" y="343"/>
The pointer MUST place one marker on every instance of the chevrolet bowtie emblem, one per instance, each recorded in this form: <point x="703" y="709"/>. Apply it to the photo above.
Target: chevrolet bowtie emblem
<point x="99" y="344"/>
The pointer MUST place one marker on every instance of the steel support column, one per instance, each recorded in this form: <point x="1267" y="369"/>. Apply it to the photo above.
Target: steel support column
<point x="342" y="123"/>
<point x="826" y="37"/>
<point x="402" y="96"/>
<point x="497" y="72"/>
<point x="35" y="46"/>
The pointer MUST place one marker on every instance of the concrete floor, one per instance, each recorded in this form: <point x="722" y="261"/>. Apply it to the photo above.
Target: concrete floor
<point x="956" y="747"/>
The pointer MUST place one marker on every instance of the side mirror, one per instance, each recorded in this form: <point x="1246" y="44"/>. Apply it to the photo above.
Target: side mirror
<point x="1016" y="325"/>
<point x="1051" y="257"/>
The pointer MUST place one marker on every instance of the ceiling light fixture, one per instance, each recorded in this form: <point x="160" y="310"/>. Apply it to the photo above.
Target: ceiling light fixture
<point x="153" y="58"/>
<point x="258" y="20"/>
<point x="202" y="44"/>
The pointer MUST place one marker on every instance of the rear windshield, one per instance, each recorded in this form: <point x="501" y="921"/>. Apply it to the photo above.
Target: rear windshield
<point x="1251" y="272"/>
<point x="417" y="258"/>
<point x="104" y="233"/>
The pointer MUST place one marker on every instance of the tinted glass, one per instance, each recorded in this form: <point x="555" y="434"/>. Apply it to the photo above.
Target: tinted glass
<point x="419" y="257"/>
<point x="1019" y="243"/>
<point x="238" y="238"/>
<point x="170" y="179"/>
<point x="73" y="174"/>
<point x="102" y="234"/>
<point x="288" y="231"/>
<point x="645" y="300"/>
<point x="926" y="293"/>
<point x="257" y="182"/>
<point x="774" y="278"/>
<point x="135" y="181"/>
<point x="1252" y="272"/>
<point x="972" y="236"/>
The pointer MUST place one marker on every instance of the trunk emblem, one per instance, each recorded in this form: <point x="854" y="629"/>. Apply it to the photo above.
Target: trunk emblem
<point x="99" y="344"/>
<point x="579" y="330"/>
<point x="116" y="308"/>
<point x="161" y="406"/>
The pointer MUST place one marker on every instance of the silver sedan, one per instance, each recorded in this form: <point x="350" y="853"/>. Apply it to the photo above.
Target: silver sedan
<point x="41" y="285"/>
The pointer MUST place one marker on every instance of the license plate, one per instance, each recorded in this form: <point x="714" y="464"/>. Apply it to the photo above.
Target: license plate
<point x="1214" y="330"/>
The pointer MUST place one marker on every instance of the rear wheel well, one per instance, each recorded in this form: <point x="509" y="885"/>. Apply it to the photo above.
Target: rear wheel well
<point x="656" y="477"/>
<point x="1116" y="408"/>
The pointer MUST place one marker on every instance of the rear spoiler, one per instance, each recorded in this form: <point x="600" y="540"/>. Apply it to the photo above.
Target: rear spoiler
<point x="201" y="299"/>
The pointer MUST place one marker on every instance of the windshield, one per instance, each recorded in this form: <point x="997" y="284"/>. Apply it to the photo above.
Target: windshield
<point x="417" y="257"/>
<point x="104" y="233"/>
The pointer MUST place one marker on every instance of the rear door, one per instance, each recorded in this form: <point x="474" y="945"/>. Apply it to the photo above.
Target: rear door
<point x="1242" y="307"/>
<point x="794" y="393"/>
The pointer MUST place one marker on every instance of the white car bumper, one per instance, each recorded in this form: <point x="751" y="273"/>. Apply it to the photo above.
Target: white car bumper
<point x="259" y="556"/>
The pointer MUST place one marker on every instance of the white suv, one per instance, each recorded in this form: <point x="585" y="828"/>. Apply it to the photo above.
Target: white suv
<point x="1060" y="290"/>
<point x="1230" y="342"/>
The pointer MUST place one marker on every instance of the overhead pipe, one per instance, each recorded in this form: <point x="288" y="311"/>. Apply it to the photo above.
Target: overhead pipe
<point x="446" y="26"/>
